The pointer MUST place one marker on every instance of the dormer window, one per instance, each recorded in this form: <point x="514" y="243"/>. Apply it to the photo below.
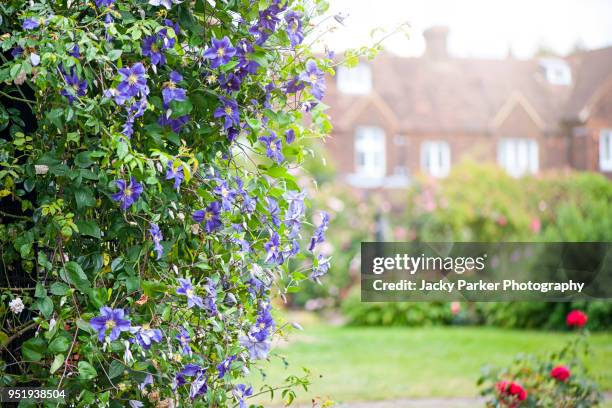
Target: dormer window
<point x="356" y="81"/>
<point x="556" y="71"/>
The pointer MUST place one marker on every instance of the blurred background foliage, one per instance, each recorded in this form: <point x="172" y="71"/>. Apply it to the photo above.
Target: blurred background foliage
<point x="475" y="203"/>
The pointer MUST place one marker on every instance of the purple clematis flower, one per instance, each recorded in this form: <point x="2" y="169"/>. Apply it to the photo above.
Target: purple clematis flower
<point x="108" y="20"/>
<point x="290" y="136"/>
<point x="176" y="175"/>
<point x="211" y="297"/>
<point x="258" y="349"/>
<point x="31" y="23"/>
<point x="75" y="86"/>
<point x="292" y="250"/>
<point x="230" y="82"/>
<point x="187" y="289"/>
<point x="229" y="111"/>
<point x="294" y="85"/>
<point x="157" y="237"/>
<point x="315" y="78"/>
<point x="152" y="49"/>
<point x="319" y="234"/>
<point x="245" y="63"/>
<point x="199" y="385"/>
<point x="272" y="207"/>
<point x="241" y="392"/>
<point x="224" y="366"/>
<point x="272" y="248"/>
<point x="110" y="320"/>
<point x="147" y="381"/>
<point x="294" y="28"/>
<point x="220" y="52"/>
<point x="104" y="3"/>
<point x="128" y="193"/>
<point x="75" y="51"/>
<point x="295" y="212"/>
<point x="146" y="336"/>
<point x="232" y="133"/>
<point x="184" y="339"/>
<point x="176" y="124"/>
<point x="211" y="215"/>
<point x="171" y="92"/>
<point x="136" y="110"/>
<point x="226" y="193"/>
<point x="166" y="3"/>
<point x="133" y="81"/>
<point x="264" y="323"/>
<point x="320" y="269"/>
<point x="16" y="51"/>
<point x="273" y="147"/>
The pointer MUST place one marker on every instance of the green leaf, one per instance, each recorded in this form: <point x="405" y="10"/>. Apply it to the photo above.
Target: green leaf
<point x="83" y="159"/>
<point x="84" y="198"/>
<point x="59" y="288"/>
<point x="59" y="344"/>
<point x="181" y="108"/>
<point x="132" y="284"/>
<point x="277" y="172"/>
<point x="73" y="274"/>
<point x="114" y="54"/>
<point x="33" y="349"/>
<point x="115" y="369"/>
<point x="45" y="305"/>
<point x="58" y="361"/>
<point x="89" y="228"/>
<point x="3" y="339"/>
<point x="152" y="287"/>
<point x="86" y="371"/>
<point x="40" y="291"/>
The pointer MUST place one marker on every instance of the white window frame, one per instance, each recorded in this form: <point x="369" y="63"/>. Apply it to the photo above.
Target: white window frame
<point x="605" y="150"/>
<point x="518" y="156"/>
<point x="356" y="80"/>
<point x="370" y="152"/>
<point x="436" y="158"/>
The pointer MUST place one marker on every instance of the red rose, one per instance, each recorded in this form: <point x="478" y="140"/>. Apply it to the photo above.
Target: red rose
<point x="512" y="394"/>
<point x="560" y="372"/>
<point x="577" y="318"/>
<point x="501" y="386"/>
<point x="518" y="391"/>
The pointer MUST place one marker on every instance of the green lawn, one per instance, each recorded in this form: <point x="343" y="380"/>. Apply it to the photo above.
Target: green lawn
<point x="355" y="363"/>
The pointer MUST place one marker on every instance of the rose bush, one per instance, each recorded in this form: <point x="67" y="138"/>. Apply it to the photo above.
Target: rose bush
<point x="559" y="380"/>
<point x="153" y="195"/>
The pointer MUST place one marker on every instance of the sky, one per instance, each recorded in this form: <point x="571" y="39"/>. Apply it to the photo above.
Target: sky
<point x="478" y="28"/>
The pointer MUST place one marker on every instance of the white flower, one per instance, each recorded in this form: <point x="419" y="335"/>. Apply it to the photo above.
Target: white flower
<point x="41" y="168"/>
<point x="16" y="305"/>
<point x="166" y="3"/>
<point x="127" y="355"/>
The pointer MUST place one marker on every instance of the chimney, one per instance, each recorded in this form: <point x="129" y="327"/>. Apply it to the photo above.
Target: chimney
<point x="436" y="42"/>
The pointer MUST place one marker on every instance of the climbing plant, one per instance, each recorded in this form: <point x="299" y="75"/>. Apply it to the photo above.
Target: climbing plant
<point x="154" y="200"/>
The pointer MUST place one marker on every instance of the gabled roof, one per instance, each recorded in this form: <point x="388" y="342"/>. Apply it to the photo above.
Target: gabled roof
<point x="453" y="94"/>
<point x="592" y="69"/>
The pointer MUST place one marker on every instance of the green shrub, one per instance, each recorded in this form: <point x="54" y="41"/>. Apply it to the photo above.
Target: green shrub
<point x="557" y="380"/>
<point x="483" y="203"/>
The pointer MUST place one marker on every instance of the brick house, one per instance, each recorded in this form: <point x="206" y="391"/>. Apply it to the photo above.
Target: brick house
<point x="395" y="117"/>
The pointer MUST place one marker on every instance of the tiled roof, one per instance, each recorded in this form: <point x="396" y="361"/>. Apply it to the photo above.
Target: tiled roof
<point x="453" y="94"/>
